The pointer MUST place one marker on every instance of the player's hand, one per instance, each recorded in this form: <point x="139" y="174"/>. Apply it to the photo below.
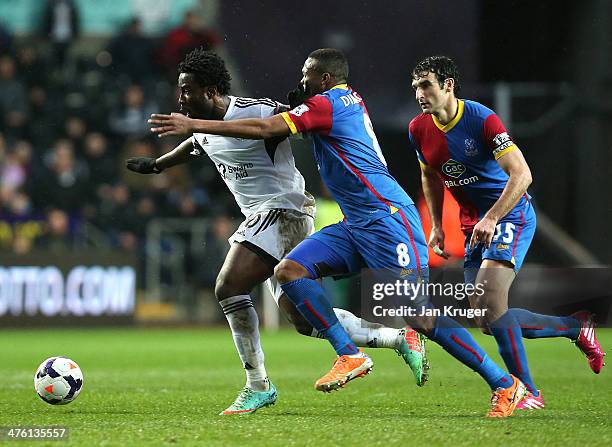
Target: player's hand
<point x="436" y="242"/>
<point x="143" y="165"/>
<point x="297" y="96"/>
<point x="173" y="124"/>
<point x="483" y="232"/>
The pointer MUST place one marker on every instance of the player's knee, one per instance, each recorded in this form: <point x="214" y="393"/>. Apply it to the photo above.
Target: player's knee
<point x="299" y="323"/>
<point x="226" y="287"/>
<point x="484" y="329"/>
<point x="294" y="316"/>
<point x="422" y="324"/>
<point x="302" y="327"/>
<point x="481" y="324"/>
<point x="288" y="270"/>
<point x="222" y="291"/>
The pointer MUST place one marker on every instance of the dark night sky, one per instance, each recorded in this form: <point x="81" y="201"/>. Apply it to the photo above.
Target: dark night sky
<point x="383" y="40"/>
<point x="517" y="40"/>
<point x="525" y="40"/>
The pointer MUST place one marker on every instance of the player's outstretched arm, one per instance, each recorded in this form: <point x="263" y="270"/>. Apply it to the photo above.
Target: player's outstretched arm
<point x="252" y="128"/>
<point x="514" y="164"/>
<point x="183" y="153"/>
<point x="433" y="190"/>
<point x="146" y="165"/>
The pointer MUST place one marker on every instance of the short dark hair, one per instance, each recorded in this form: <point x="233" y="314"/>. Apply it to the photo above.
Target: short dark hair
<point x="208" y="69"/>
<point x="442" y="66"/>
<point x="332" y="61"/>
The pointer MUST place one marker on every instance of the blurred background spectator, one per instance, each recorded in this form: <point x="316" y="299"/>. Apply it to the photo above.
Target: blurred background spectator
<point x="131" y="52"/>
<point x="130" y="117"/>
<point x="63" y="179"/>
<point x="13" y="98"/>
<point x="6" y="40"/>
<point x="61" y="26"/>
<point x="191" y="33"/>
<point x="57" y="237"/>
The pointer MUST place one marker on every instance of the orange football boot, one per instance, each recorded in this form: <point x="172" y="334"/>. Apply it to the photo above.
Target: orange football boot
<point x="345" y="369"/>
<point x="505" y="400"/>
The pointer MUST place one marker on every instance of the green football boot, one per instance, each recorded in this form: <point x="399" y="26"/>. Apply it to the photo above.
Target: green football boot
<point x="249" y="401"/>
<point x="412" y="350"/>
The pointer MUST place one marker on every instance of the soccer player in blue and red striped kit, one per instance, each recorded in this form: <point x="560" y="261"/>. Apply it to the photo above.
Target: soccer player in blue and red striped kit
<point x="463" y="146"/>
<point x="381" y="230"/>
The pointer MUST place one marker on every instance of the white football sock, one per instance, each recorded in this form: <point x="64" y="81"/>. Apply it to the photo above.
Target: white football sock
<point x="365" y="334"/>
<point x="244" y="324"/>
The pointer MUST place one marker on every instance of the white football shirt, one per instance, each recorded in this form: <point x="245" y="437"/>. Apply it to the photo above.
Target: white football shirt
<point x="261" y="174"/>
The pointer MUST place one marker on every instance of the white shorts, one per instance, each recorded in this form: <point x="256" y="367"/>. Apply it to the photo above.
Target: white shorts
<point x="272" y="234"/>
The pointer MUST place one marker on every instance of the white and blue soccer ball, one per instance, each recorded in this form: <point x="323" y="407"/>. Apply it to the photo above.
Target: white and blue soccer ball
<point x="58" y="380"/>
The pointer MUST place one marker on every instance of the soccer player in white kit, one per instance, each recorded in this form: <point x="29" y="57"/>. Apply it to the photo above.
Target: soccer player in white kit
<point x="279" y="213"/>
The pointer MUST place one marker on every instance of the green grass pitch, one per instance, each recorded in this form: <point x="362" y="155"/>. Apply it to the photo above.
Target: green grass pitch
<point x="167" y="386"/>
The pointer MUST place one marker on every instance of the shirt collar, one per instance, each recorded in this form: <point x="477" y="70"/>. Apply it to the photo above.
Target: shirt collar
<point x="452" y="123"/>
<point x="342" y="86"/>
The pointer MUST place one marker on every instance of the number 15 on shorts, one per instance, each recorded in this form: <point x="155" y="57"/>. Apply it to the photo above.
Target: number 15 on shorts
<point x="506" y="231"/>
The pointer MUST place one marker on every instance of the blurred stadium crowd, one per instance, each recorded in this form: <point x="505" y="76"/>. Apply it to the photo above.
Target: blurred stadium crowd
<point x="68" y="124"/>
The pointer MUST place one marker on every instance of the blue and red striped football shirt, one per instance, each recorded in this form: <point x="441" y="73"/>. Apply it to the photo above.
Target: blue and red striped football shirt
<point x="464" y="153"/>
<point x="348" y="155"/>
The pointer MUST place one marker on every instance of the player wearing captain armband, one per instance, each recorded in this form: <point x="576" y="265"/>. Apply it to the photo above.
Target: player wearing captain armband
<point x="381" y="230"/>
<point x="463" y="146"/>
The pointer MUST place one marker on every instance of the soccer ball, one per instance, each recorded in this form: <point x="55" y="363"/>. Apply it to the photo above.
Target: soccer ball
<point x="58" y="380"/>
